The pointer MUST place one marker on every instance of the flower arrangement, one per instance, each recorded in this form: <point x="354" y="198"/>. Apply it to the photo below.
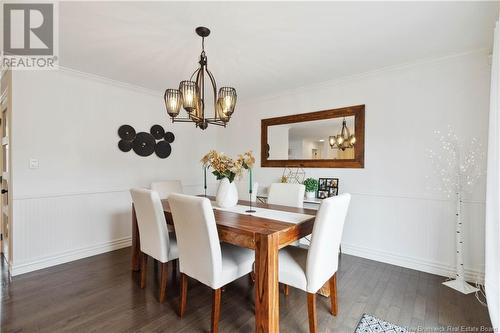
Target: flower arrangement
<point x="226" y="167"/>
<point x="311" y="185"/>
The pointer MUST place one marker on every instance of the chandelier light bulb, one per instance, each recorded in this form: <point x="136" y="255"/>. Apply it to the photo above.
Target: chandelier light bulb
<point x="189" y="90"/>
<point x="222" y="111"/>
<point x="189" y="98"/>
<point x="173" y="102"/>
<point x="227" y="102"/>
<point x="331" y="141"/>
<point x="227" y="97"/>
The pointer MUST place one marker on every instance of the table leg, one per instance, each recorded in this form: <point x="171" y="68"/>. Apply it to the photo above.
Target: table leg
<point x="136" y="246"/>
<point x="266" y="284"/>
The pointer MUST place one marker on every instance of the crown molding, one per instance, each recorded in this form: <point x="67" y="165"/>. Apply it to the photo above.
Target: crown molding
<point x="287" y="92"/>
<point x="106" y="80"/>
<point x="359" y="76"/>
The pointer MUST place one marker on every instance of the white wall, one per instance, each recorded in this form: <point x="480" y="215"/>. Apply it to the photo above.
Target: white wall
<point x="77" y="202"/>
<point x="394" y="216"/>
<point x="307" y="148"/>
<point x="295" y="149"/>
<point x="278" y="142"/>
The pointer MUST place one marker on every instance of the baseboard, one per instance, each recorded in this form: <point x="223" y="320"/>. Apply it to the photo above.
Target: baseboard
<point x="377" y="255"/>
<point x="71" y="255"/>
<point x="410" y="262"/>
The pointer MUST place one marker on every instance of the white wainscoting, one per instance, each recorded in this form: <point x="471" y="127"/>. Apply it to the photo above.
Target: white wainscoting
<point x="410" y="232"/>
<point x="414" y="232"/>
<point x="57" y="228"/>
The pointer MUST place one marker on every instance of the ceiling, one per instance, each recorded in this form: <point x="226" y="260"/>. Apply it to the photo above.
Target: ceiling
<point x="262" y="48"/>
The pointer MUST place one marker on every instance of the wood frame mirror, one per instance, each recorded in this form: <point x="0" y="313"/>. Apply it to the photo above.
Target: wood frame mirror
<point x="357" y="111"/>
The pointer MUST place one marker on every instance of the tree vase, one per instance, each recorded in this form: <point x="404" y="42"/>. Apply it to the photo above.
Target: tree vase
<point x="227" y="194"/>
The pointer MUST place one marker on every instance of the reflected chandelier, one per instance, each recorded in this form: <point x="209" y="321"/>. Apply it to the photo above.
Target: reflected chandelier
<point x="343" y="140"/>
<point x="191" y="95"/>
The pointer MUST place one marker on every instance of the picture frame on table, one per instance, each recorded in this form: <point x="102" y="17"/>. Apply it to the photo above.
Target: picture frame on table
<point x="333" y="191"/>
<point x="327" y="187"/>
<point x="322" y="194"/>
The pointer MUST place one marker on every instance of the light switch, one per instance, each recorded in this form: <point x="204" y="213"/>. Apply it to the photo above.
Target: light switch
<point x="33" y="163"/>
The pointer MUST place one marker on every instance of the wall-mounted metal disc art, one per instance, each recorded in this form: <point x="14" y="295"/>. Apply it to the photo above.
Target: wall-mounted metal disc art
<point x="144" y="144"/>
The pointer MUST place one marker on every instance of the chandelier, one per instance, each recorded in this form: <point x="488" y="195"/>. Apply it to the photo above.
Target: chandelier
<point x="343" y="140"/>
<point x="191" y="95"/>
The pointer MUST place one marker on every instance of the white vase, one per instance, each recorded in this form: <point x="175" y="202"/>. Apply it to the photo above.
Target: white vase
<point x="227" y="194"/>
<point x="310" y="195"/>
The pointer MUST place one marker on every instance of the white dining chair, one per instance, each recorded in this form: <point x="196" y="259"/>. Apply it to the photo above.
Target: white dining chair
<point x="243" y="194"/>
<point x="286" y="194"/>
<point x="201" y="255"/>
<point x="310" y="269"/>
<point x="154" y="238"/>
<point x="164" y="188"/>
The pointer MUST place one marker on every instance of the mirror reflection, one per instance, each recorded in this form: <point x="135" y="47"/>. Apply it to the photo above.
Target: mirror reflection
<point x="313" y="140"/>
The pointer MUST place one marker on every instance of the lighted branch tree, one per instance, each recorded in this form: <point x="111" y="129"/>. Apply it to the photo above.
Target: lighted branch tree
<point x="459" y="169"/>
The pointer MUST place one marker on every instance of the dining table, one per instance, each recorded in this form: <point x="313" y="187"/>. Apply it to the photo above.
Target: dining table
<point x="263" y="234"/>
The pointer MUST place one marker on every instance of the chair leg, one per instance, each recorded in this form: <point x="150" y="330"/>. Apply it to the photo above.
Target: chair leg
<point x="251" y="278"/>
<point x="163" y="281"/>
<point x="333" y="294"/>
<point x="216" y="310"/>
<point x="182" y="303"/>
<point x="144" y="266"/>
<point x="174" y="270"/>
<point x="286" y="289"/>
<point x="311" y="309"/>
<point x="155" y="265"/>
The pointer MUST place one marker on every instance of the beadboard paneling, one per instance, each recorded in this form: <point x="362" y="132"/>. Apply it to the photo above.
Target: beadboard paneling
<point x="417" y="233"/>
<point x="51" y="227"/>
<point x="58" y="228"/>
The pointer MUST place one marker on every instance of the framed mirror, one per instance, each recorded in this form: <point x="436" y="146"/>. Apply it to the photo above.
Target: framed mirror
<point x="323" y="139"/>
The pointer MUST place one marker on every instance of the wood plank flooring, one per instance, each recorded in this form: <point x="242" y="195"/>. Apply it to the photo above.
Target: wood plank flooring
<point x="101" y="294"/>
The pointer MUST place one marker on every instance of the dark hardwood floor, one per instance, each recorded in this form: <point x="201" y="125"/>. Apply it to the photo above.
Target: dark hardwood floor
<point x="100" y="294"/>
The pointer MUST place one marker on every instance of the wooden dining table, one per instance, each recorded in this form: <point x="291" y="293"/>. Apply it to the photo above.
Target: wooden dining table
<point x="265" y="236"/>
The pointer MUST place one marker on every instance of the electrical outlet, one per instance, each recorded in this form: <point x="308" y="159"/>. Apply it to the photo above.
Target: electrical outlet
<point x="33" y="163"/>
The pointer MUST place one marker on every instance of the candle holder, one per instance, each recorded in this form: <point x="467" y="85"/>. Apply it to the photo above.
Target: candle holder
<point x="250" y="210"/>
<point x="250" y="190"/>
<point x="205" y="179"/>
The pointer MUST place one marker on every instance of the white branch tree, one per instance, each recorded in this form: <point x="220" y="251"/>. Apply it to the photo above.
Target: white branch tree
<point x="459" y="168"/>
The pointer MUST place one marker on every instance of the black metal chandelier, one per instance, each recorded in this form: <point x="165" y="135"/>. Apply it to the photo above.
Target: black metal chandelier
<point x="191" y="95"/>
<point x="343" y="140"/>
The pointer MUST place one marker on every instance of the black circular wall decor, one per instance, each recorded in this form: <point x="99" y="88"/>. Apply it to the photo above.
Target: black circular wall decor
<point x="145" y="144"/>
<point x="169" y="137"/>
<point x="125" y="145"/>
<point x="163" y="149"/>
<point x="126" y="132"/>
<point x="157" y="131"/>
